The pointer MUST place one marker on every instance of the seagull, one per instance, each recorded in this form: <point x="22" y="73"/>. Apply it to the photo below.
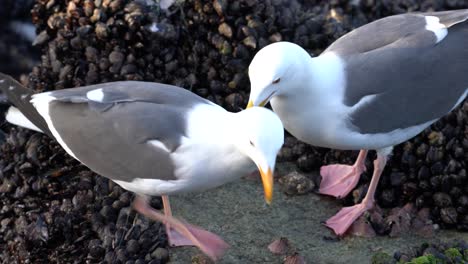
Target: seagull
<point x="154" y="139"/>
<point x="375" y="87"/>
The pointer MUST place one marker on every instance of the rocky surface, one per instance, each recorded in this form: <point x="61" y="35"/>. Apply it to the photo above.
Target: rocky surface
<point x="55" y="210"/>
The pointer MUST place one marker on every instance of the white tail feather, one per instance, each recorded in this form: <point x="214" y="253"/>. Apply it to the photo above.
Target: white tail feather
<point x="14" y="116"/>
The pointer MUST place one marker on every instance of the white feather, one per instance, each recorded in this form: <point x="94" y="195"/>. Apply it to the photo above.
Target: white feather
<point x="14" y="116"/>
<point x="95" y="95"/>
<point x="201" y="145"/>
<point x="440" y="30"/>
<point x="464" y="95"/>
<point x="153" y="186"/>
<point x="159" y="144"/>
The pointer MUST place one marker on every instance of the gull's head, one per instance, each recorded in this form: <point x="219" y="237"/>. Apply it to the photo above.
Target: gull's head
<point x="274" y="71"/>
<point x="260" y="137"/>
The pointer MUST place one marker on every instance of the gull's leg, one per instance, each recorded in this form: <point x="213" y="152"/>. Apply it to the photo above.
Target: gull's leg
<point x="347" y="215"/>
<point x="338" y="179"/>
<point x="174" y="238"/>
<point x="180" y="233"/>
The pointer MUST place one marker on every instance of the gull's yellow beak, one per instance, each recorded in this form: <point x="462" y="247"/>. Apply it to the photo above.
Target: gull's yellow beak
<point x="267" y="179"/>
<point x="262" y="104"/>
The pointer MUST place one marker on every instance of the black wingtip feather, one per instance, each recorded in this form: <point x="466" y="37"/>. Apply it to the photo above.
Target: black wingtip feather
<point x="20" y="96"/>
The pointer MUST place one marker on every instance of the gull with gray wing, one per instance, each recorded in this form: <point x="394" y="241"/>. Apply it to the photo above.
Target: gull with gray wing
<point x="154" y="139"/>
<point x="377" y="86"/>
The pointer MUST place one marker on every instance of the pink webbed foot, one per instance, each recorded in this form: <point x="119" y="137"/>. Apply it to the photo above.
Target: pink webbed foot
<point x="339" y="180"/>
<point x="180" y="233"/>
<point x="211" y="244"/>
<point x="176" y="239"/>
<point x="346" y="217"/>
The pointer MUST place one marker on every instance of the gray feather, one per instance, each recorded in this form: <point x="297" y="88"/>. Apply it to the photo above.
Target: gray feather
<point x="120" y="127"/>
<point x="414" y="78"/>
<point x="450" y="18"/>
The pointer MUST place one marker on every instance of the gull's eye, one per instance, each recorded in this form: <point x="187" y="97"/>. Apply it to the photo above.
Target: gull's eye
<point x="251" y="143"/>
<point x="276" y="81"/>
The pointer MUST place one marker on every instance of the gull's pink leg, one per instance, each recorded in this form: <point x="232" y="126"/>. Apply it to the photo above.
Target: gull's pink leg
<point x="180" y="234"/>
<point x="338" y="180"/>
<point x="346" y="216"/>
<point x="174" y="238"/>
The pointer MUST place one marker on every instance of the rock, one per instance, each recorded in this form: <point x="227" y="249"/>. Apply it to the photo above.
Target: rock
<point x="102" y="31"/>
<point x="95" y="248"/>
<point x="449" y="215"/>
<point x="160" y="254"/>
<point x="128" y="69"/>
<point x="399" y="220"/>
<point x="294" y="259"/>
<point x="91" y="54"/>
<point x="220" y="6"/>
<point x="296" y="183"/>
<point x="388" y="198"/>
<point x="397" y="178"/>
<point x="279" y="246"/>
<point x="225" y="30"/>
<point x="132" y="246"/>
<point x="308" y="162"/>
<point x="201" y="259"/>
<point x="250" y="42"/>
<point x="362" y="228"/>
<point x="116" y="57"/>
<point x="121" y="255"/>
<point x="108" y="212"/>
<point x="442" y="200"/>
<point x="41" y="38"/>
<point x="234" y="102"/>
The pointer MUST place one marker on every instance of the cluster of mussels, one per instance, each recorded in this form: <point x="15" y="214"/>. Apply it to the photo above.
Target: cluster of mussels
<point x="56" y="211"/>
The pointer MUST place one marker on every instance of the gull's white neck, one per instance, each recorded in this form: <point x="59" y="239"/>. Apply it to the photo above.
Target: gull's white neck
<point x="315" y="95"/>
<point x="328" y="77"/>
<point x="208" y="151"/>
<point x="211" y="124"/>
<point x="322" y="77"/>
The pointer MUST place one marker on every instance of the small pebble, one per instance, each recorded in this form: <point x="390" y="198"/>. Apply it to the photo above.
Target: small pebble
<point x="296" y="183"/>
<point x="132" y="246"/>
<point x="160" y="254"/>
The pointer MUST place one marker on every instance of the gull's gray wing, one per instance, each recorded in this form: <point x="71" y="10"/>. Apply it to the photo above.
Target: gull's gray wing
<point x="112" y="127"/>
<point x="412" y="68"/>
